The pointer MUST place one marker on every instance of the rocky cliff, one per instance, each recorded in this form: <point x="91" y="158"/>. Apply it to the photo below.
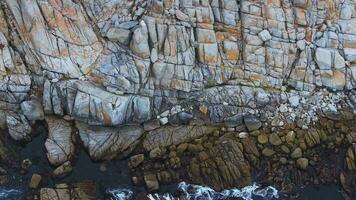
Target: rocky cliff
<point x="209" y="91"/>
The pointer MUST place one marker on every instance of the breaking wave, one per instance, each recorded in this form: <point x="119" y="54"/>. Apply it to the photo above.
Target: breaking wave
<point x="199" y="192"/>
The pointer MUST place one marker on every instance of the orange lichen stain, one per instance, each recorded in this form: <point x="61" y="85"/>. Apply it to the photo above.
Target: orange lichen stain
<point x="276" y="3"/>
<point x="256" y="77"/>
<point x="231" y="54"/>
<point x="332" y="13"/>
<point x="210" y="59"/>
<point x="220" y="36"/>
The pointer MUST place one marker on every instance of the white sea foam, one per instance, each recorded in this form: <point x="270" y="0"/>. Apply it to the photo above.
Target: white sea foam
<point x="120" y="193"/>
<point x="9" y="193"/>
<point x="199" y="192"/>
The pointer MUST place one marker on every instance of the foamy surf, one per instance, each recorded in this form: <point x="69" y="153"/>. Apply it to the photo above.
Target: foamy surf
<point x="199" y="192"/>
<point x="9" y="193"/>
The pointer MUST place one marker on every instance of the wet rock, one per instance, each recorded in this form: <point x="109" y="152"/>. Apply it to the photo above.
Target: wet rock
<point x="151" y="125"/>
<point x="63" y="170"/>
<point x="220" y="167"/>
<point x="350" y="158"/>
<point x="290" y="137"/>
<point x="262" y="138"/>
<point x="252" y="123"/>
<point x="312" y="137"/>
<point x="35" y="181"/>
<point x="151" y="182"/>
<point x="185" y="117"/>
<point x="351" y="137"/>
<point x="18" y="126"/>
<point x="80" y="190"/>
<point x="136" y="160"/>
<point x="234" y="121"/>
<point x="303" y="163"/>
<point x="268" y="152"/>
<point x="297" y="153"/>
<point x="274" y="139"/>
<point x="26" y="164"/>
<point x="174" y="135"/>
<point x="59" y="144"/>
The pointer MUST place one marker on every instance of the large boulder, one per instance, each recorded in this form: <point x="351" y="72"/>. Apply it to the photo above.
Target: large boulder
<point x="104" y="143"/>
<point x="18" y="126"/>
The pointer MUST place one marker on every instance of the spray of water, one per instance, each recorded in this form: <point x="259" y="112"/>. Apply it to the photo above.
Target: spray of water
<point x="199" y="192"/>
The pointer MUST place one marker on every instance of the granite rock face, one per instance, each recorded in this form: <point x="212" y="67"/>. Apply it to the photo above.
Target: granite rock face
<point x="152" y="74"/>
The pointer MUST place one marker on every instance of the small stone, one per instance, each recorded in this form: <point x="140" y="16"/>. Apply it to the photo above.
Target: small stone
<point x="297" y="153"/>
<point x="303" y="163"/>
<point x="136" y="160"/>
<point x="290" y="137"/>
<point x="274" y="139"/>
<point x="26" y="163"/>
<point x="283" y="160"/>
<point x="185" y="117"/>
<point x="182" y="147"/>
<point x="268" y="152"/>
<point x="285" y="149"/>
<point x="252" y="123"/>
<point x="155" y="153"/>
<point x="265" y="35"/>
<point x="163" y="120"/>
<point x="294" y="100"/>
<point x="35" y="181"/>
<point x="262" y="138"/>
<point x="203" y="109"/>
<point x="243" y="135"/>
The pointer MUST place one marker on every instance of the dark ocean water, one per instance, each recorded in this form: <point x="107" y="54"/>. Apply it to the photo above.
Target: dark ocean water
<point x="116" y="183"/>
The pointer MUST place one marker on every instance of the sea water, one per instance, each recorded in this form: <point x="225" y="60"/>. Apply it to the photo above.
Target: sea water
<point x="200" y="192"/>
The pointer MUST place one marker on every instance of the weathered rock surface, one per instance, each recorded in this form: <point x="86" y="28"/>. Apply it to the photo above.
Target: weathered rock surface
<point x="59" y="144"/>
<point x="108" y="142"/>
<point x="159" y="75"/>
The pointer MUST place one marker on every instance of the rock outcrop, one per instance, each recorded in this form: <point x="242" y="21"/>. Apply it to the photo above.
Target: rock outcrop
<point x="155" y="78"/>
